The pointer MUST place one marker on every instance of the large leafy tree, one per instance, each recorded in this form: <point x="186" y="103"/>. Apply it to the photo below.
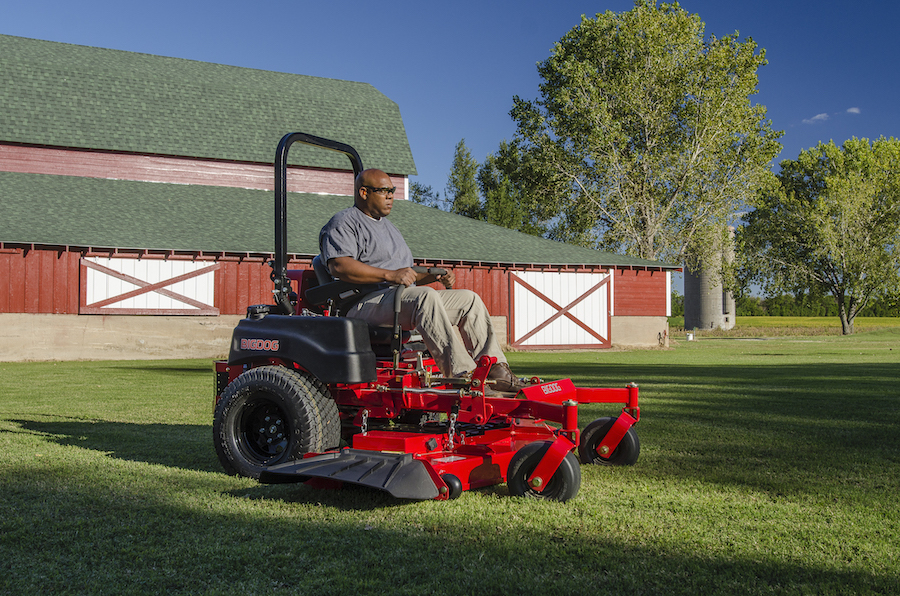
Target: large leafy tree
<point x="830" y="225"/>
<point x="645" y="135"/>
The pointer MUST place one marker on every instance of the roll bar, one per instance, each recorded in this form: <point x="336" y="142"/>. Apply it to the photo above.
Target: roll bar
<point x="279" y="268"/>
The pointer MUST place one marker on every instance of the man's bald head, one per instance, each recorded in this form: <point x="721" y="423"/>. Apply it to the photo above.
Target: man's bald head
<point x="374" y="193"/>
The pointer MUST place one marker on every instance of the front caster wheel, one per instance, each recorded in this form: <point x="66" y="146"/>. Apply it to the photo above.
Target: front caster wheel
<point x="562" y="486"/>
<point x="454" y="485"/>
<point x="624" y="455"/>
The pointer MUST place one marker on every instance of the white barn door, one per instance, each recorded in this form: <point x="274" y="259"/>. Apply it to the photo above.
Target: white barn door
<point x="560" y="310"/>
<point x="148" y="287"/>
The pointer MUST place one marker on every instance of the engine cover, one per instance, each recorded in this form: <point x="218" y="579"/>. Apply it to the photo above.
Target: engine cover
<point x="334" y="349"/>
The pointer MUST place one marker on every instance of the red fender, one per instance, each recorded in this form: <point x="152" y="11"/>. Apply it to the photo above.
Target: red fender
<point x="615" y="434"/>
<point x="551" y="461"/>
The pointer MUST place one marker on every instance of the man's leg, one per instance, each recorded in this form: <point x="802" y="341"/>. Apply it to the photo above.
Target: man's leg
<point x="421" y="308"/>
<point x="468" y="313"/>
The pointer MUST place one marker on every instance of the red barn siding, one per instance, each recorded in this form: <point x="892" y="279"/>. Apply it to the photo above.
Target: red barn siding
<point x="490" y="284"/>
<point x="51" y="281"/>
<point x="12" y="267"/>
<point x="73" y="280"/>
<point x="48" y="275"/>
<point x="639" y="293"/>
<point x="242" y="283"/>
<point x="234" y="292"/>
<point x="174" y="170"/>
<point x="39" y="281"/>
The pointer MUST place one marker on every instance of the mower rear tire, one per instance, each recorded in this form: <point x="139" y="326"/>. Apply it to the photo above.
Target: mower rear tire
<point x="624" y="455"/>
<point x="328" y="413"/>
<point x="268" y="415"/>
<point x="562" y="486"/>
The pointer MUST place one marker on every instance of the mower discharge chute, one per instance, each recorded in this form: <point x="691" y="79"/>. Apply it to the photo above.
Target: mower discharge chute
<point x="324" y="399"/>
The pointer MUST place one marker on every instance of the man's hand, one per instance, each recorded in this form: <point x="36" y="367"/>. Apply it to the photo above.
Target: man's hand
<point x="448" y="279"/>
<point x="404" y="277"/>
<point x="425" y="278"/>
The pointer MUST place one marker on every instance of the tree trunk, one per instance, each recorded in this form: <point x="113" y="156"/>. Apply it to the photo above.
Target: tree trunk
<point x="846" y="325"/>
<point x="846" y="320"/>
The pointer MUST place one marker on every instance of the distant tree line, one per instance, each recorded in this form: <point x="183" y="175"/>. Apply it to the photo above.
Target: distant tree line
<point x="804" y="305"/>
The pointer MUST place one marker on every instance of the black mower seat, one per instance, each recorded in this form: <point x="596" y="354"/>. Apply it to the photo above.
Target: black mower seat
<point x="343" y="295"/>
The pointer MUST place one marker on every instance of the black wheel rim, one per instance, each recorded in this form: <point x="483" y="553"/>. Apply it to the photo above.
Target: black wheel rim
<point x="551" y="491"/>
<point x="595" y="445"/>
<point x="264" y="431"/>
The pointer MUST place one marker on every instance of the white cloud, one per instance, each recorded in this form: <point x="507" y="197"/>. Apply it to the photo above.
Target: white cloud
<point x="816" y="118"/>
<point x="853" y="110"/>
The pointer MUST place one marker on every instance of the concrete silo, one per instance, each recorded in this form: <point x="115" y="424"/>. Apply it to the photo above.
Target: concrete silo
<point x="706" y="304"/>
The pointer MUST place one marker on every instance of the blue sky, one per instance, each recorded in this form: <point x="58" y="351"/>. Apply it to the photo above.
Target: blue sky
<point x="454" y="67"/>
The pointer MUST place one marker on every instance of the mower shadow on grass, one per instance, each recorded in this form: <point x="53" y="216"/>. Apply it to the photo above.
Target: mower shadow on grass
<point x="348" y="497"/>
<point x="183" y="446"/>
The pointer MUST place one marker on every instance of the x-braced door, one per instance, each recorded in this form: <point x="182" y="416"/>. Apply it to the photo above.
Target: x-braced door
<point x="560" y="310"/>
<point x="148" y="287"/>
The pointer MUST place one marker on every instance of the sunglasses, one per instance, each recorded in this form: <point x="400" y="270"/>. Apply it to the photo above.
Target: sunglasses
<point x="386" y="190"/>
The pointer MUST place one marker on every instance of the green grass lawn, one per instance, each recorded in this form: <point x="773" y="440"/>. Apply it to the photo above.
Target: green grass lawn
<point x="768" y="466"/>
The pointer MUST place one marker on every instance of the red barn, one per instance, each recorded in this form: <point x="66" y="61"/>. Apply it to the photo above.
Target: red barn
<point x="136" y="211"/>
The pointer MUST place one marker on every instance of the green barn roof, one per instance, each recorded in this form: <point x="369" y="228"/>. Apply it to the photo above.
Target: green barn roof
<point x="76" y="96"/>
<point x="106" y="214"/>
<point x="82" y="97"/>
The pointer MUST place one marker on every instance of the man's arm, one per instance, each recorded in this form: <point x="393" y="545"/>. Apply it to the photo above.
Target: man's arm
<point x="350" y="270"/>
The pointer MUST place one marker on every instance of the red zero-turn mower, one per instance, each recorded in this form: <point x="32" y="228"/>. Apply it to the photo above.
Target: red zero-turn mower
<point x="310" y="396"/>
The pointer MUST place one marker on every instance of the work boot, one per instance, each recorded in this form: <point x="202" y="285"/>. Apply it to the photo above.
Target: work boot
<point x="504" y="379"/>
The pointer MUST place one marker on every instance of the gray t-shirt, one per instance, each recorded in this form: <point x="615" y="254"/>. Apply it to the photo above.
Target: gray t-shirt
<point x="375" y="242"/>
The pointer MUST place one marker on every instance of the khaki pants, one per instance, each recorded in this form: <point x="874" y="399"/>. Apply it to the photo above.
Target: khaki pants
<point x="438" y="315"/>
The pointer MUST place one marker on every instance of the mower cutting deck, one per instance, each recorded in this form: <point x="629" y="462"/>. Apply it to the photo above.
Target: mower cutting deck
<point x="326" y="400"/>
